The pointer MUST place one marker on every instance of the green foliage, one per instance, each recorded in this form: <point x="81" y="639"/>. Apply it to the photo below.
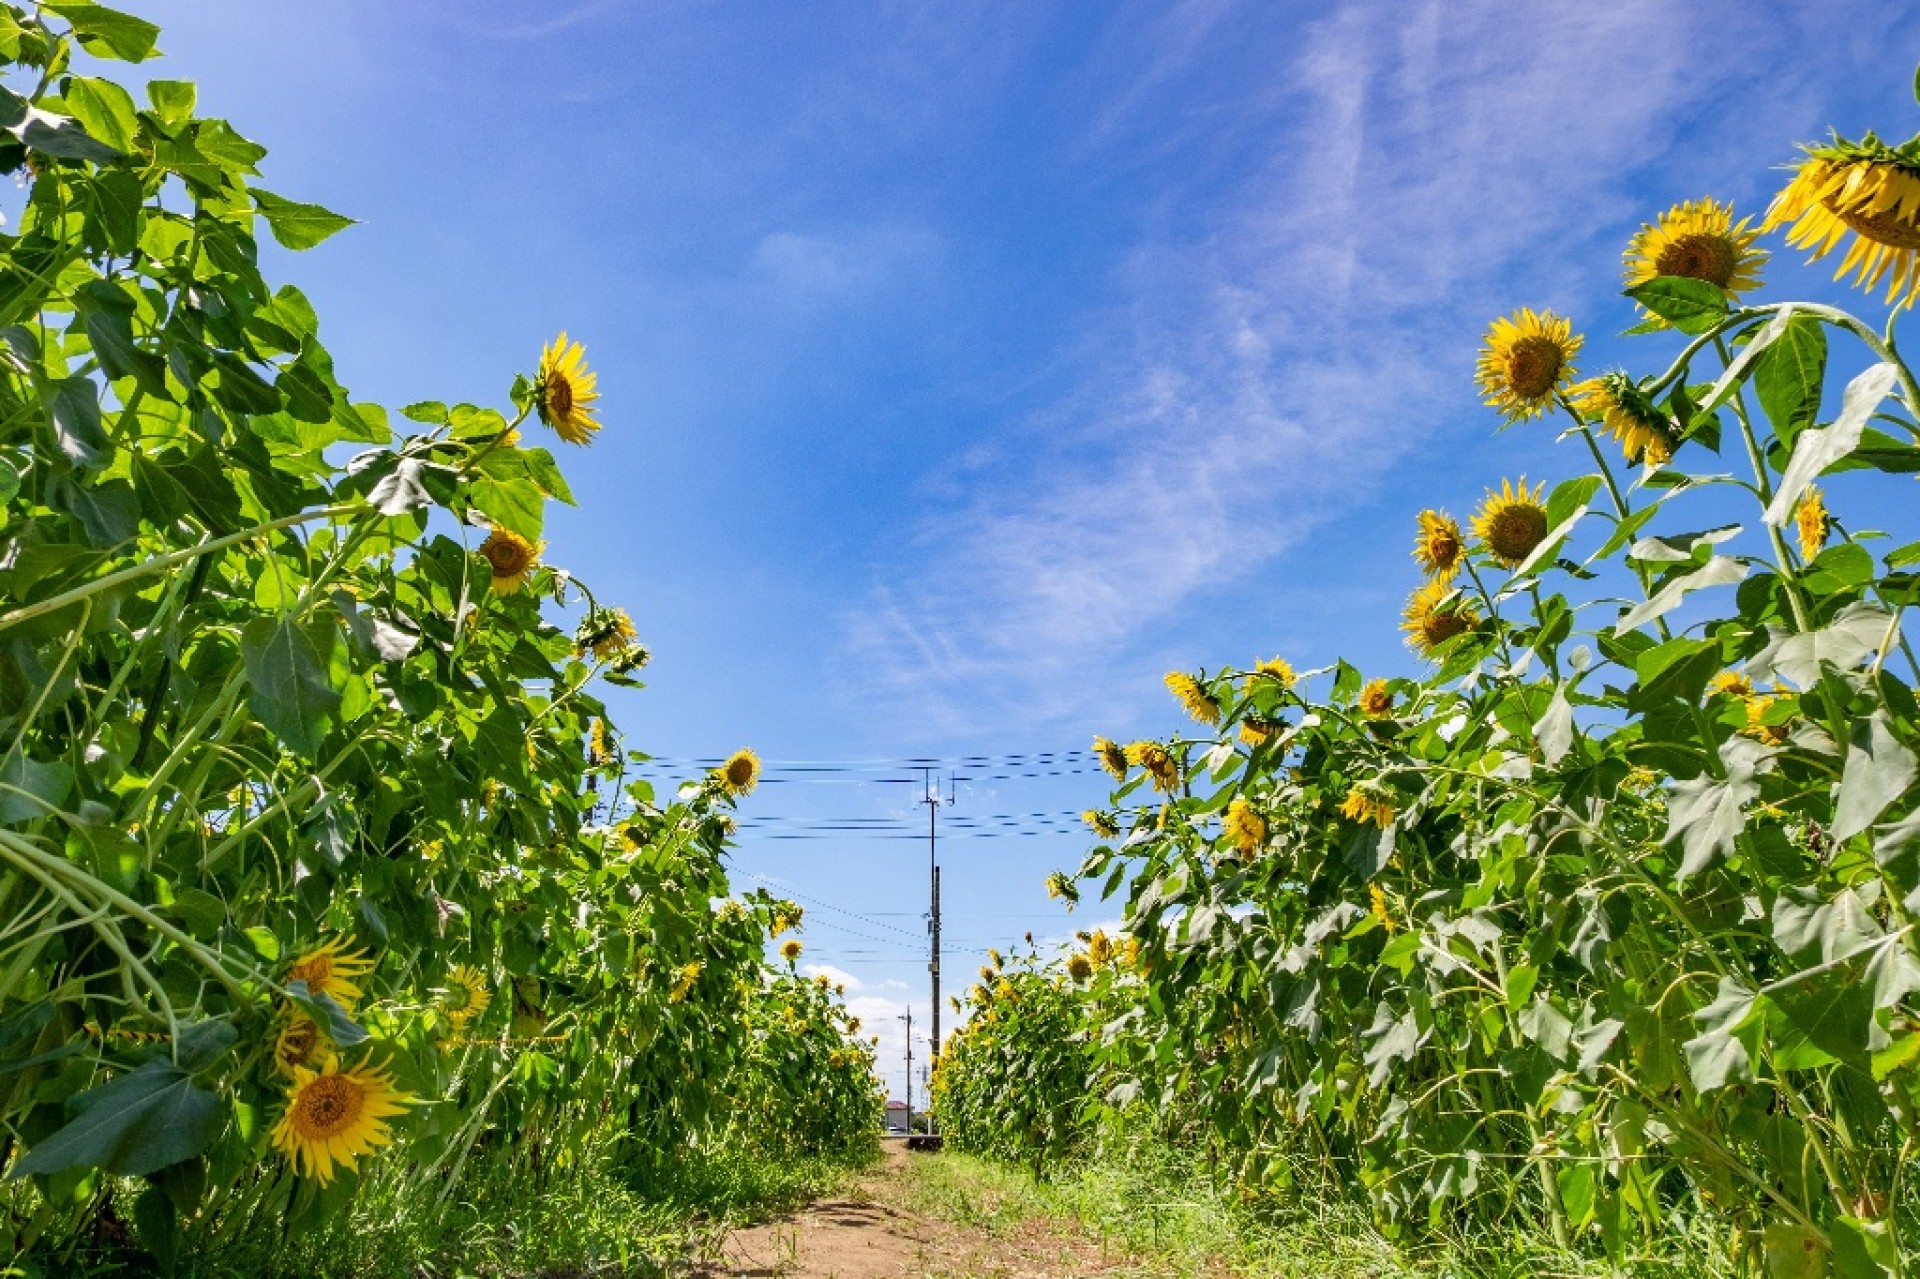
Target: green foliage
<point x="291" y="774"/>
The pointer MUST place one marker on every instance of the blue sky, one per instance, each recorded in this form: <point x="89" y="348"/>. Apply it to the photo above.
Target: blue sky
<point x="967" y="366"/>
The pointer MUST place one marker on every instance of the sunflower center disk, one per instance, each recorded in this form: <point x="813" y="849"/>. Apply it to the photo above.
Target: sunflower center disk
<point x="1700" y="256"/>
<point x="1533" y="366"/>
<point x="328" y="1105"/>
<point x="1888" y="228"/>
<point x="559" y="396"/>
<point x="506" y="558"/>
<point x="1515" y="531"/>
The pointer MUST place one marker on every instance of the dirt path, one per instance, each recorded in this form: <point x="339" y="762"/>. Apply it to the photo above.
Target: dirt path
<point x="868" y="1235"/>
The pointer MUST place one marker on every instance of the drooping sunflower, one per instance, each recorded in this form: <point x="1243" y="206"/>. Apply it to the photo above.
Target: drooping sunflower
<point x="1060" y="888"/>
<point x="1277" y="669"/>
<point x="689" y="974"/>
<point x="299" y="1043"/>
<point x="512" y="559"/>
<point x="1112" y="757"/>
<point x="1100" y="948"/>
<point x="1437" y="547"/>
<point x="1245" y="827"/>
<point x="1158" y="761"/>
<point x="1193" y="696"/>
<point x="1361" y="805"/>
<point x="1429" y="623"/>
<point x="1257" y="731"/>
<point x="1814" y="522"/>
<point x="741" y="773"/>
<point x="1375" y="701"/>
<point x="599" y="749"/>
<point x="332" y="970"/>
<point x="1379" y="909"/>
<point x="1524" y="359"/>
<point x="1699" y="240"/>
<point x="333" y="1116"/>
<point x="1079" y="967"/>
<point x="1512" y="522"/>
<point x="788" y="916"/>
<point x="1629" y="415"/>
<point x="606" y="633"/>
<point x="790" y="949"/>
<point x="466" y="996"/>
<point x="1865" y="187"/>
<point x="1102" y="825"/>
<point x="565" y="393"/>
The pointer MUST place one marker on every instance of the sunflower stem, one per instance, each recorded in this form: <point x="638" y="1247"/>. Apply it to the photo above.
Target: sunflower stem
<point x="1619" y="505"/>
<point x="1764" y="486"/>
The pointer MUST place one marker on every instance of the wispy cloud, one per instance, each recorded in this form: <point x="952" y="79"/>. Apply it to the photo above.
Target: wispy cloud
<point x="1291" y="324"/>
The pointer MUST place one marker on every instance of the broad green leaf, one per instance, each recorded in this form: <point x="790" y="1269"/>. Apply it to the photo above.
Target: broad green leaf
<point x="1789" y="376"/>
<point x="289" y="682"/>
<point x="31" y="788"/>
<point x="1692" y="306"/>
<point x="1843" y="643"/>
<point x="340" y="1028"/>
<point x="1736" y="372"/>
<point x="1864" y="1249"/>
<point x="104" y="110"/>
<point x="1818" y="448"/>
<point x="1554" y="731"/>
<point x="1794" y="1251"/>
<point x="75" y="414"/>
<point x="1678" y="548"/>
<point x="1706" y="814"/>
<point x="1816" y="929"/>
<point x="1718" y="571"/>
<point x="296" y="225"/>
<point x="1717" y="1057"/>
<point x="172" y="100"/>
<point x="1879" y="769"/>
<point x="108" y="33"/>
<point x="400" y="490"/>
<point x="131" y="1126"/>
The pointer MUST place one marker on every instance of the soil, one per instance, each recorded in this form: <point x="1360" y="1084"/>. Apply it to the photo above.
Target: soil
<point x="868" y="1235"/>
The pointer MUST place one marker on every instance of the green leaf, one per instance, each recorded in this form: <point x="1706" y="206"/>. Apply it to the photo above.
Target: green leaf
<point x="1790" y="374"/>
<point x="1706" y="814"/>
<point x="75" y="414"/>
<point x="131" y="1126"/>
<point x="1678" y="548"/>
<point x="517" y="504"/>
<point x="1816" y="929"/>
<point x="1879" y="769"/>
<point x="340" y="1028"/>
<point x="104" y="110"/>
<point x="1736" y="372"/>
<point x="108" y="33"/>
<point x="172" y="100"/>
<point x="1863" y="1249"/>
<point x="30" y="788"/>
<point x="432" y="412"/>
<point x="1718" y="571"/>
<point x="289" y="679"/>
<point x="296" y="225"/>
<point x="1692" y="306"/>
<point x="1817" y="449"/>
<point x="1794" y="1252"/>
<point x="1717" y="1057"/>
<point x="1842" y="643"/>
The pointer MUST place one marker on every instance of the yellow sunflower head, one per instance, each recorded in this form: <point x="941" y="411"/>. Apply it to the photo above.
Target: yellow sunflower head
<point x="1277" y="669"/>
<point x="1112" y="758"/>
<point x="790" y="949"/>
<point x="607" y="633"/>
<point x="1102" y="824"/>
<point x="1757" y="726"/>
<point x="1524" y="360"/>
<point x="687" y="975"/>
<point x="466" y="995"/>
<point x="332" y="970"/>
<point x="1100" y="948"/>
<point x="1158" y="761"/>
<point x="1363" y="805"/>
<point x="512" y="559"/>
<point x="1732" y="683"/>
<point x="1256" y="731"/>
<point x="1437" y="547"/>
<point x="1245" y="827"/>
<point x="1865" y="187"/>
<point x="1079" y="967"/>
<point x="741" y="773"/>
<point x="599" y="749"/>
<point x="299" y="1043"/>
<point x="333" y="1116"/>
<point x="1512" y="522"/>
<point x="1375" y="702"/>
<point x="1629" y="415"/>
<point x="1193" y="696"/>
<point x="565" y="393"/>
<point x="1814" y="521"/>
<point x="1430" y="621"/>
<point x="1699" y="241"/>
<point x="1060" y="888"/>
<point x="1379" y="909"/>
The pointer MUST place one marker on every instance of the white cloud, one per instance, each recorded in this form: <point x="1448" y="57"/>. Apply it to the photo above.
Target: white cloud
<point x="838" y="976"/>
<point x="853" y="263"/>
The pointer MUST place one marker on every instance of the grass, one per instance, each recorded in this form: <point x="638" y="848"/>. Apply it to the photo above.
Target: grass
<point x="1157" y="1203"/>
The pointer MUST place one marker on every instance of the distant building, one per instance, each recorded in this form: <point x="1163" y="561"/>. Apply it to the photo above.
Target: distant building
<point x="896" y="1114"/>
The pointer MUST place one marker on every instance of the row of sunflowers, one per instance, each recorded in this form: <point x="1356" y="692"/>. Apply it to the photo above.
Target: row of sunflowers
<point x="315" y="837"/>
<point x="1603" y="925"/>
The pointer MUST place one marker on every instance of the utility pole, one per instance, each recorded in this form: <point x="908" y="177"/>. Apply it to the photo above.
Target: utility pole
<point x="932" y="799"/>
<point x="908" y="1018"/>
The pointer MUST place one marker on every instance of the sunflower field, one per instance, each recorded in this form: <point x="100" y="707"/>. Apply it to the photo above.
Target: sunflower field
<point x="1604" y="924"/>
<point x="319" y="861"/>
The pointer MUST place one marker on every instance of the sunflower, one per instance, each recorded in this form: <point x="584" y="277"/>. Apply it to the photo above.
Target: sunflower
<point x="790" y="949"/>
<point x="1060" y="888"/>
<point x="1102" y="825"/>
<point x="1130" y="953"/>
<point x="1100" y="948"/>
<point x="1437" y="547"/>
<point x="1158" y="761"/>
<point x="1428" y="624"/>
<point x="1003" y="990"/>
<point x="1866" y="187"/>
<point x="1256" y="731"/>
<point x="1757" y="727"/>
<point x="334" y="1116"/>
<point x="690" y="973"/>
<point x="1379" y="910"/>
<point x="1362" y="806"/>
<point x="1194" y="697"/>
<point x="1733" y="683"/>
<point x="788" y="916"/>
<point x="1526" y="357"/>
<point x="332" y="970"/>
<point x="466" y="996"/>
<point x="1111" y="757"/>
<point x="988" y="972"/>
<point x="1375" y="701"/>
<point x="511" y="557"/>
<point x="599" y="750"/>
<point x="1512" y="522"/>
<point x="1246" y="828"/>
<point x="1814" y="521"/>
<point x="1629" y="416"/>
<point x="607" y="633"/>
<point x="1277" y="669"/>
<point x="1697" y="240"/>
<point x="299" y="1043"/>
<point x="1079" y="967"/>
<point x="565" y="393"/>
<point x="741" y="773"/>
